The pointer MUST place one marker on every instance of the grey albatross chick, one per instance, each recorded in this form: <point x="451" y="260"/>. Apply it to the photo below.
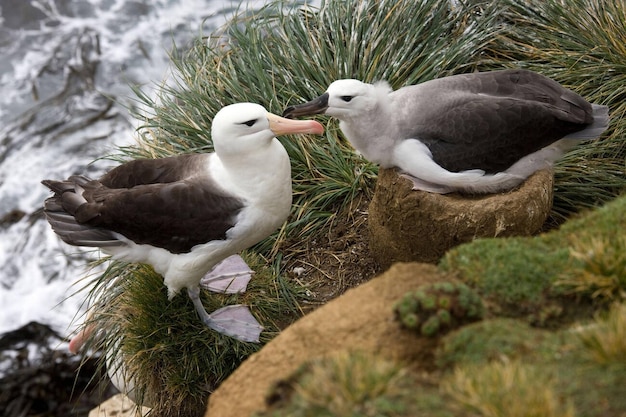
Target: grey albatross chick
<point x="476" y="133"/>
<point x="185" y="214"/>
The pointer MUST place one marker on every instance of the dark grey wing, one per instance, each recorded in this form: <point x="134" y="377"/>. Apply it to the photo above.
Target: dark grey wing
<point x="495" y="134"/>
<point x="161" y="202"/>
<point x="490" y="120"/>
<point x="174" y="216"/>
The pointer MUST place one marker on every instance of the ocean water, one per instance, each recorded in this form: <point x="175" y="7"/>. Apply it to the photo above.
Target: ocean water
<point x="65" y="73"/>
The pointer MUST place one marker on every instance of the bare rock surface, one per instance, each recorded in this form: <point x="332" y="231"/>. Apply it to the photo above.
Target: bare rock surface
<point x="361" y="319"/>
<point x="417" y="226"/>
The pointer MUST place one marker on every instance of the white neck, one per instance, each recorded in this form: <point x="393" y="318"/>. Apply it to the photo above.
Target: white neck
<point x="262" y="175"/>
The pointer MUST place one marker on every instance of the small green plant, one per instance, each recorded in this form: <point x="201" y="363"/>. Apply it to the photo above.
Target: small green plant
<point x="436" y="308"/>
<point x="605" y="341"/>
<point x="602" y="271"/>
<point x="509" y="389"/>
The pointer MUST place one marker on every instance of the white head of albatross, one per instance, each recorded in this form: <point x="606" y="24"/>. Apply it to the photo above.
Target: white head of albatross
<point x="478" y="133"/>
<point x="185" y="214"/>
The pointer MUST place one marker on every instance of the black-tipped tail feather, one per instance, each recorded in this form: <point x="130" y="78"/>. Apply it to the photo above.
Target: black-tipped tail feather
<point x="59" y="211"/>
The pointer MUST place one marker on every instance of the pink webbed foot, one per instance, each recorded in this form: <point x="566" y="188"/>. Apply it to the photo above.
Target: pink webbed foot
<point x="235" y="321"/>
<point x="231" y="276"/>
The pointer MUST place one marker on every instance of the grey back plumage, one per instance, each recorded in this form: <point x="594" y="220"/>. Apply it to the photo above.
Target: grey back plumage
<point x="490" y="120"/>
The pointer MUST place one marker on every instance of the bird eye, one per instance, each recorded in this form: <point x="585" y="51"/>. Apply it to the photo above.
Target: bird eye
<point x="249" y="122"/>
<point x="347" y="98"/>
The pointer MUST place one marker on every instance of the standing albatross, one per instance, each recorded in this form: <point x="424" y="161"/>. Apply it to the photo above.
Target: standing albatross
<point x="185" y="214"/>
<point x="478" y="133"/>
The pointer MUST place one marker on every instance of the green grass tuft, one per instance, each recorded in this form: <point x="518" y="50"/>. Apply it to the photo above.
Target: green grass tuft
<point x="602" y="274"/>
<point x="516" y="271"/>
<point x="174" y="360"/>
<point x="605" y="340"/>
<point x="349" y="384"/>
<point x="493" y="339"/>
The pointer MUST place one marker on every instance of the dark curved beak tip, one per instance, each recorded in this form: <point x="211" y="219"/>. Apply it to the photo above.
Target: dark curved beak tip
<point x="287" y="112"/>
<point x="315" y="106"/>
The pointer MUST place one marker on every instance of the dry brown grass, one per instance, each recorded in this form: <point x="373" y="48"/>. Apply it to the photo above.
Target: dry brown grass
<point x="505" y="389"/>
<point x="350" y="384"/>
<point x="602" y="271"/>
<point x="605" y="340"/>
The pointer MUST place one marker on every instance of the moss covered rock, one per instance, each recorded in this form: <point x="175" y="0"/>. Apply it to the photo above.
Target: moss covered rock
<point x="552" y="277"/>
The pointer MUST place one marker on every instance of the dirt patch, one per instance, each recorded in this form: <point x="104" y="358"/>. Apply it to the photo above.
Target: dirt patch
<point x="331" y="263"/>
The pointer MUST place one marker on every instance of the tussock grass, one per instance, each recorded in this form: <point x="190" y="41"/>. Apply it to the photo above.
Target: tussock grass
<point x="509" y="389"/>
<point x="173" y="359"/>
<point x="605" y="340"/>
<point x="602" y="275"/>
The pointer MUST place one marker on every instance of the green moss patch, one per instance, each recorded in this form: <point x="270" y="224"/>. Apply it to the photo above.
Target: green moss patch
<point x="524" y="276"/>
